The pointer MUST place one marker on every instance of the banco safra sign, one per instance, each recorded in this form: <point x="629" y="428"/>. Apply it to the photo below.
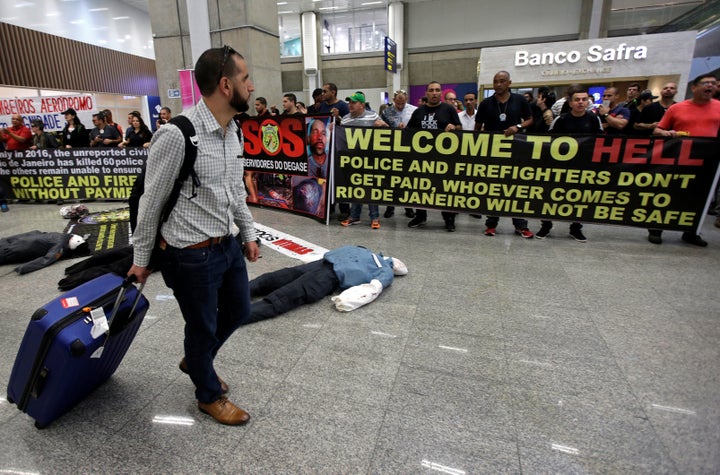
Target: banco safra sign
<point x="594" y="54"/>
<point x="600" y="60"/>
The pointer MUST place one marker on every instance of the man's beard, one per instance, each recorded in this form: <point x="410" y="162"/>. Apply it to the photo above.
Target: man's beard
<point x="238" y="103"/>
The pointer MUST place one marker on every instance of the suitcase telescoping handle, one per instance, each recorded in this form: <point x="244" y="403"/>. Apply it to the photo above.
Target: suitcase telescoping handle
<point x="126" y="283"/>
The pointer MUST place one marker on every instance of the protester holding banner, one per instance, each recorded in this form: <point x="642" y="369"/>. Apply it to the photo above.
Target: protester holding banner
<point x="578" y="121"/>
<point x="18" y="136"/>
<point x="508" y="113"/>
<point x="138" y="135"/>
<point x="42" y="139"/>
<point x="103" y="135"/>
<point x="695" y="117"/>
<point x="74" y="134"/>
<point x="397" y="115"/>
<point x="434" y="115"/>
<point x="359" y="116"/>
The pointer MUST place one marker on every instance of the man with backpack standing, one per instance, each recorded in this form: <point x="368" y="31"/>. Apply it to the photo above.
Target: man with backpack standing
<point x="200" y="260"/>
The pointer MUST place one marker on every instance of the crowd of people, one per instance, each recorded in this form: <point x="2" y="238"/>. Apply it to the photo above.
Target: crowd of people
<point x="506" y="112"/>
<point x="641" y="114"/>
<point x="206" y="267"/>
<point x="105" y="133"/>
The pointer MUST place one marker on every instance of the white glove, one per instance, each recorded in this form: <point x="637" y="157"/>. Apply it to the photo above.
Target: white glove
<point x="356" y="297"/>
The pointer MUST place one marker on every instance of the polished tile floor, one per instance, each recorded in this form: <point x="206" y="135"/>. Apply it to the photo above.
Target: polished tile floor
<point x="493" y="355"/>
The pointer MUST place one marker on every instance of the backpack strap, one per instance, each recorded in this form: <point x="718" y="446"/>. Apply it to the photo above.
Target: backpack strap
<point x="187" y="168"/>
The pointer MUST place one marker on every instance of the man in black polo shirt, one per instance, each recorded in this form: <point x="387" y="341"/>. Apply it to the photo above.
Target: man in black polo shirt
<point x="508" y="113"/>
<point x="578" y="121"/>
<point x="434" y="115"/>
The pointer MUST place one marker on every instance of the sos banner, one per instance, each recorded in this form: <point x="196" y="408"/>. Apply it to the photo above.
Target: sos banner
<point x="287" y="161"/>
<point x="49" y="109"/>
<point x="642" y="182"/>
<point x="72" y="173"/>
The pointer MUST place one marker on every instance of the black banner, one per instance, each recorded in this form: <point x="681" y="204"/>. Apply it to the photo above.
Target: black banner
<point x="643" y="182"/>
<point x="287" y="162"/>
<point x="71" y="173"/>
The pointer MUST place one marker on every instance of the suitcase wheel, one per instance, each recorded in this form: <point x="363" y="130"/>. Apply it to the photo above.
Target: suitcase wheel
<point x="10" y="400"/>
<point x="40" y="426"/>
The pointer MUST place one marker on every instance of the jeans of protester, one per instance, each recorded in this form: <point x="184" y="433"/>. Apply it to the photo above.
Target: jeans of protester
<point x="356" y="211"/>
<point x="492" y="222"/>
<point x="211" y="288"/>
<point x="447" y="215"/>
<point x="286" y="289"/>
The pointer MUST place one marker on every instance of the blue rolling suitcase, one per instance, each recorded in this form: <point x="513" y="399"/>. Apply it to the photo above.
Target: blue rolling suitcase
<point x="73" y="345"/>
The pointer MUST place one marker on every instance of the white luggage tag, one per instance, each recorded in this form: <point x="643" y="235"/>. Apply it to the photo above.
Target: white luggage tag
<point x="100" y="323"/>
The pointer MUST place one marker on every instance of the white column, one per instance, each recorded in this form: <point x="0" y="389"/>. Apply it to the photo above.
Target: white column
<point x="596" y="16"/>
<point x="396" y="31"/>
<point x="199" y="25"/>
<point x="308" y="22"/>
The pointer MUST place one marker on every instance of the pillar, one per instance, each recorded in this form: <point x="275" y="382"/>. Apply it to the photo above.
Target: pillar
<point x="249" y="26"/>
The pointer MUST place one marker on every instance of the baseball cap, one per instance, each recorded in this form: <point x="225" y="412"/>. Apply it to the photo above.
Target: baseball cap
<point x="357" y="97"/>
<point x="645" y="95"/>
<point x="70" y="111"/>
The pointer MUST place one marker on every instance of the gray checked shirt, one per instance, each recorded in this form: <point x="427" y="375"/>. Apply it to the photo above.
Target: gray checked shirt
<point x="220" y="199"/>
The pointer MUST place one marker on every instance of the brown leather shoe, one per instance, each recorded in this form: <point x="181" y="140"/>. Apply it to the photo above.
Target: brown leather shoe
<point x="223" y="385"/>
<point x="225" y="412"/>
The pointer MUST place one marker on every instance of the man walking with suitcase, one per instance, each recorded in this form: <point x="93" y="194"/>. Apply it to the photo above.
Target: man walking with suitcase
<point x="200" y="260"/>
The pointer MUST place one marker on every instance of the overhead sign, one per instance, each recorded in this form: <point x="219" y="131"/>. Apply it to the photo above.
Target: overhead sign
<point x="597" y="60"/>
<point x="390" y="55"/>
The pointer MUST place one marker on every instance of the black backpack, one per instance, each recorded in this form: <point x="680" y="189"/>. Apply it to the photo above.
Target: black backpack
<point x="187" y="170"/>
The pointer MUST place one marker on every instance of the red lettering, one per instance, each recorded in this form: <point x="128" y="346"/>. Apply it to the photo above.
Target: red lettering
<point x="251" y="134"/>
<point x="612" y="151"/>
<point x="657" y="158"/>
<point x="293" y="143"/>
<point x="292" y="246"/>
<point x="636" y="151"/>
<point x="684" y="157"/>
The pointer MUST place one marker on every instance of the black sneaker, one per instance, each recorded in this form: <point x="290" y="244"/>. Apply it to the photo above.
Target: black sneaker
<point x="543" y="233"/>
<point x="409" y="213"/>
<point x="416" y="222"/>
<point x="389" y="212"/>
<point x="577" y="235"/>
<point x="655" y="236"/>
<point x="694" y="239"/>
<point x="450" y="226"/>
<point x="343" y="216"/>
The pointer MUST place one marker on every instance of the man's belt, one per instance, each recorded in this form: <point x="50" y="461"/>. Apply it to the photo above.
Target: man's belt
<point x="200" y="245"/>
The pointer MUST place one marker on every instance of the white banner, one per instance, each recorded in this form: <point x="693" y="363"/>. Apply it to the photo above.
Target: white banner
<point x="289" y="245"/>
<point x="49" y="109"/>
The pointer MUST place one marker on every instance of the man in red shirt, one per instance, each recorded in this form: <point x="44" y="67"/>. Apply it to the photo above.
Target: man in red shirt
<point x="696" y="117"/>
<point x="17" y="137"/>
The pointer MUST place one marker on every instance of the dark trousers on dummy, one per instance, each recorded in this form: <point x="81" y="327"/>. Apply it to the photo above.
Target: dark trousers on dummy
<point x="286" y="289"/>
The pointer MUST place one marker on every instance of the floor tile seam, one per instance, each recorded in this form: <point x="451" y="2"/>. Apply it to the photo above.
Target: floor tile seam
<point x="393" y="386"/>
<point x="513" y="411"/>
<point x="283" y="381"/>
<point x="633" y="392"/>
<point x="671" y="303"/>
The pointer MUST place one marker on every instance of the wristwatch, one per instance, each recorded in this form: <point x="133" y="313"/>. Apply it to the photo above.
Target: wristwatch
<point x="519" y="126"/>
<point x="605" y="115"/>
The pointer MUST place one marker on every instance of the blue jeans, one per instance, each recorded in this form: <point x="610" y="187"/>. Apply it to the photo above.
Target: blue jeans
<point x="211" y="288"/>
<point x="356" y="211"/>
